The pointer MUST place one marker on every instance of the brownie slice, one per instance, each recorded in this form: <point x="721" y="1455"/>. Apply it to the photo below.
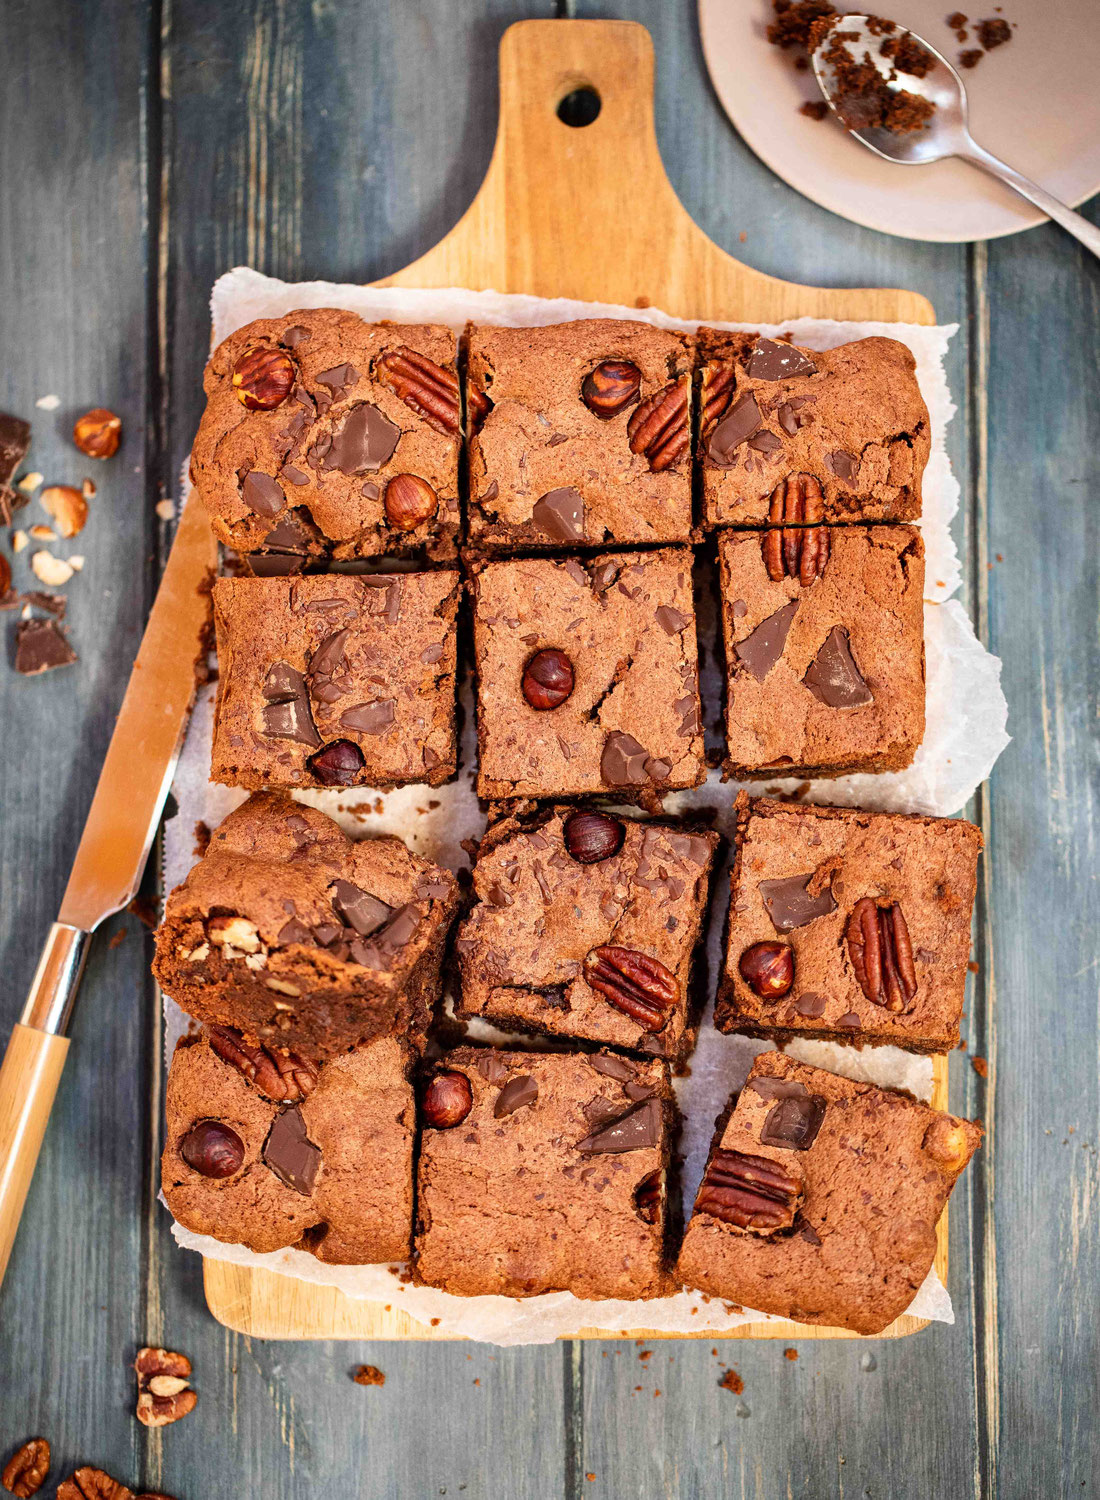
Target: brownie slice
<point x="324" y="435"/>
<point x="336" y="680"/>
<point x="301" y="937"/>
<point x="821" y="1198"/>
<point x="848" y="925"/>
<point x="824" y="649"/>
<point x="544" y="1172"/>
<point x="587" y="676"/>
<point x="267" y="1150"/>
<point x="580" y="435"/>
<point x="852" y="419"/>
<point x="585" y="925"/>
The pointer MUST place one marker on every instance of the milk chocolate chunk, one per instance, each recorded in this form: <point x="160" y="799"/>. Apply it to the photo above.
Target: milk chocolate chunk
<point x="762" y="648"/>
<point x="842" y="464"/>
<point x="735" y="428"/>
<point x="516" y="1094"/>
<point x="833" y="677"/>
<point x="671" y="620"/>
<point x="339" y="379"/>
<point x="275" y="564"/>
<point x="369" y="718"/>
<point x="776" y="361"/>
<point x="789" y="903"/>
<point x="624" y="761"/>
<point x="361" y="910"/>
<point x="611" y="1067"/>
<point x="289" y="534"/>
<point x="385" y="945"/>
<point x="810" y="1005"/>
<point x="363" y="442"/>
<point x="290" y="1153"/>
<point x="40" y="646"/>
<point x="262" y="494"/>
<point x="637" y="1130"/>
<point x="287" y="715"/>
<point x="793" y="1123"/>
<point x="560" y="513"/>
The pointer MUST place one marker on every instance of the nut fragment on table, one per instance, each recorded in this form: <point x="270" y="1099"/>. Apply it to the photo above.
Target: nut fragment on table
<point x="50" y="570"/>
<point x="67" y="508"/>
<point x="92" y="1484"/>
<point x="164" y="1391"/>
<point x="98" y="433"/>
<point x="25" y="1472"/>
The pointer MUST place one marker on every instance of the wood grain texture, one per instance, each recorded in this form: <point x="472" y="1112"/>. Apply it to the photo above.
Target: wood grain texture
<point x="377" y="127"/>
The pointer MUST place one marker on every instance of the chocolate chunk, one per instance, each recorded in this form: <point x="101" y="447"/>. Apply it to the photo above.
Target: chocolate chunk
<point x="296" y="335"/>
<point x="289" y="535"/>
<point x="364" y="441"/>
<point x="638" y="1129"/>
<point x="789" y="904"/>
<point x="762" y="647"/>
<point x="15" y="439"/>
<point x="765" y="442"/>
<point x="262" y="494"/>
<point x="287" y="714"/>
<point x="40" y="646"/>
<point x="516" y="1094"/>
<point x="850" y="1020"/>
<point x="491" y="1067"/>
<point x="290" y="1153"/>
<point x="811" y="1005"/>
<point x="623" y="762"/>
<point x="833" y="677"/>
<point x="369" y="718"/>
<point x="671" y="620"/>
<point x="294" y="931"/>
<point x="735" y="428"/>
<point x="364" y="912"/>
<point x="777" y="1088"/>
<point x="388" y="942"/>
<point x="275" y="564"/>
<point x="776" y="361"/>
<point x="560" y="513"/>
<point x="329" y="658"/>
<point x="793" y="1123"/>
<point x="339" y="379"/>
<point x="611" y="1067"/>
<point x="842" y="464"/>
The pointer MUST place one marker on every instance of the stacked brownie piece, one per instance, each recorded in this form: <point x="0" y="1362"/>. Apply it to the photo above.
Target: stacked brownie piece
<point x="332" y="456"/>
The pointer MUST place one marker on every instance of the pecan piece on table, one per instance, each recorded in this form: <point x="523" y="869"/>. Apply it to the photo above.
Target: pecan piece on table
<point x="882" y="955"/>
<point x="164" y="1390"/>
<point x="640" y="986"/>
<point x="93" y="1484"/>
<point x="284" y="1077"/>
<point x="431" y="391"/>
<point x="660" y="426"/>
<point x="25" y="1472"/>
<point x="751" y="1192"/>
<point x="798" y="547"/>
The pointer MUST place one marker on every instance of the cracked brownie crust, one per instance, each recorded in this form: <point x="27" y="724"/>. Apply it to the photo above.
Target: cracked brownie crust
<point x="551" y="1178"/>
<point x="853" y="418"/>
<point x="335" y="680"/>
<point x="826" y="677"/>
<point x="630" y="721"/>
<point x="587" y="440"/>
<point x="310" y="416"/>
<point x="301" y="937"/>
<point x="532" y="943"/>
<point x="799" y="874"/>
<point x="821" y="1197"/>
<point x="329" y="1170"/>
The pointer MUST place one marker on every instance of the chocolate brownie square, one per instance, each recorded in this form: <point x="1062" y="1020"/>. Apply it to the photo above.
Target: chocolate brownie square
<point x="267" y="1150"/>
<point x="821" y="1197"/>
<point x="580" y="435"/>
<point x="824" y="637"/>
<point x="301" y="937"/>
<point x="334" y="680"/>
<point x="544" y="1172"/>
<point x="848" y="924"/>
<point x="851" y="420"/>
<point x="585" y="925"/>
<point x="324" y="435"/>
<point x="587" y="676"/>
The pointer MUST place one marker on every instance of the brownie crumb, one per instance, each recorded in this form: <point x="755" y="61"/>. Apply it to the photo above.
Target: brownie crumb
<point x="993" y="33"/>
<point x="145" y="909"/>
<point x="790" y="1353"/>
<point x="793" y="19"/>
<point x="731" y="1381"/>
<point x="956" y="20"/>
<point x="971" y="58"/>
<point x="814" y="109"/>
<point x="980" y="1066"/>
<point x="202" y="838"/>
<point x="863" y="99"/>
<point x="908" y="55"/>
<point x="118" y="938"/>
<point x="368" y="1375"/>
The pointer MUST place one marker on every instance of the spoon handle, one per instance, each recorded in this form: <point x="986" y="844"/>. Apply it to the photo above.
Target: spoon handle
<point x="1076" y="224"/>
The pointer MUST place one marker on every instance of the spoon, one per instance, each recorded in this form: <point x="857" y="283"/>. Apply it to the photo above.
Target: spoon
<point x="947" y="132"/>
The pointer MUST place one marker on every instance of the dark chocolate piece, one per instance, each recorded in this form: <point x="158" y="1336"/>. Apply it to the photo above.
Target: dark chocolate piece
<point x="40" y="646"/>
<point x="560" y="513"/>
<point x="789" y="903"/>
<point x="833" y="677"/>
<point x="290" y="1153"/>
<point x="516" y="1094"/>
<point x="775" y="361"/>
<point x="638" y="1129"/>
<point x="762" y="648"/>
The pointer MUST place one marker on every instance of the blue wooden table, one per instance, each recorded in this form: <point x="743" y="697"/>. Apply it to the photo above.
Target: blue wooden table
<point x="147" y="145"/>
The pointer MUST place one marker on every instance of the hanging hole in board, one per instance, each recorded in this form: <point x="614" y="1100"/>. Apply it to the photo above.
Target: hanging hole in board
<point x="579" y="107"/>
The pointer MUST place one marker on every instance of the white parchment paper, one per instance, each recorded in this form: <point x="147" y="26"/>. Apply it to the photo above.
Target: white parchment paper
<point x="966" y="718"/>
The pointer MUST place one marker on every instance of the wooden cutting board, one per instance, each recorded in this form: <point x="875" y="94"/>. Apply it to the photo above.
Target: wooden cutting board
<point x="586" y="213"/>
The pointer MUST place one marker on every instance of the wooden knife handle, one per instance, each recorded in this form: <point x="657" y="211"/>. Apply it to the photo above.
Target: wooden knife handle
<point x="29" y="1076"/>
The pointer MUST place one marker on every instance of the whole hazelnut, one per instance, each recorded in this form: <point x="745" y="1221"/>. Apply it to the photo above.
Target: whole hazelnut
<point x="98" y="433"/>
<point x="263" y="378"/>
<point x="768" y="969"/>
<point x="547" y="679"/>
<point x="212" y="1149"/>
<point x="448" y="1099"/>
<point x="946" y="1143"/>
<point x="611" y="387"/>
<point x="410" y="501"/>
<point x="592" y="836"/>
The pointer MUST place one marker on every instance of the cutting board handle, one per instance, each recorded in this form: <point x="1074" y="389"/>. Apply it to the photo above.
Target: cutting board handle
<point x="589" y="213"/>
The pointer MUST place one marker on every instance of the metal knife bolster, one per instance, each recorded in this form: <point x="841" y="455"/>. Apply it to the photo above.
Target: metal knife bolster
<point x="53" y="989"/>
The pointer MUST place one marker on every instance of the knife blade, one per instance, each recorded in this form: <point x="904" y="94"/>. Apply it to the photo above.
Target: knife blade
<point x="118" y="834"/>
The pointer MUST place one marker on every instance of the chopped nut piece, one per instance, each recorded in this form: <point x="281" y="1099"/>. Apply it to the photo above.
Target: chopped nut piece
<point x="164" y="1394"/>
<point x="98" y="433"/>
<point x="92" y="1484"/>
<point x="67" y="507"/>
<point x="50" y="570"/>
<point x="29" y="482"/>
<point x="238" y="932"/>
<point x="19" y="541"/>
<point x="166" y="509"/>
<point x="25" y="1472"/>
<point x="369" y="1375"/>
<point x="76" y="562"/>
<point x="281" y="987"/>
<point x="43" y="533"/>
